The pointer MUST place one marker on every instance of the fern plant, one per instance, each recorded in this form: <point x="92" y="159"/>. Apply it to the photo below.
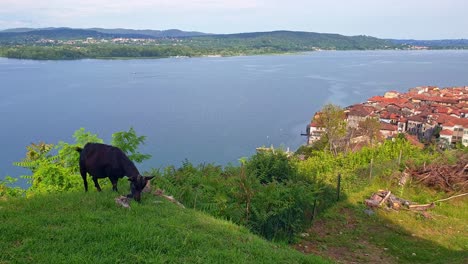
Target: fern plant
<point x="128" y="142"/>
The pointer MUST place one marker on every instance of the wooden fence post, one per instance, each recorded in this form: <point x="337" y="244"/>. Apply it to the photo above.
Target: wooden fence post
<point x="338" y="188"/>
<point x="399" y="158"/>
<point x="314" y="210"/>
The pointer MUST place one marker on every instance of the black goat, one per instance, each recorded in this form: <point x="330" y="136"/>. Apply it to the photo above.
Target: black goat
<point x="102" y="161"/>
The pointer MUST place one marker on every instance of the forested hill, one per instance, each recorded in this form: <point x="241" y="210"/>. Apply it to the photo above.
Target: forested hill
<point x="281" y="39"/>
<point x="433" y="44"/>
<point x="170" y="33"/>
<point x="72" y="33"/>
<point x="66" y="43"/>
<point x="298" y="40"/>
<point x="33" y="36"/>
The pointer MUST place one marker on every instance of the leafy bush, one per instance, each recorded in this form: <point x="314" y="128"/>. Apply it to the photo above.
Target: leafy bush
<point x="264" y="193"/>
<point x="129" y="142"/>
<point x="55" y="168"/>
<point x="355" y="166"/>
<point x="8" y="191"/>
<point x="271" y="166"/>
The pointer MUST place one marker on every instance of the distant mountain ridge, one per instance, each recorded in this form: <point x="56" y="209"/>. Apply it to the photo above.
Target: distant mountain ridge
<point x="152" y="33"/>
<point x="144" y="33"/>
<point x="31" y="34"/>
<point x="69" y="43"/>
<point x="278" y="40"/>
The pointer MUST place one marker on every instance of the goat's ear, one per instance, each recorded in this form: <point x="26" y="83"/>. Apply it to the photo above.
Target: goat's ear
<point x="149" y="177"/>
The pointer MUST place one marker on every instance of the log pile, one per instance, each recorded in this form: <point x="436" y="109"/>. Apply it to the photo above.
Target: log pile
<point x="387" y="200"/>
<point x="444" y="177"/>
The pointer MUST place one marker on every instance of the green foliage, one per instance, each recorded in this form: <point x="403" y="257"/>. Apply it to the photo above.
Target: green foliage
<point x="271" y="166"/>
<point x="128" y="142"/>
<point x="265" y="194"/>
<point x="55" y="172"/>
<point x="56" y="168"/>
<point x="310" y="150"/>
<point x="355" y="166"/>
<point x="332" y="119"/>
<point x="76" y="228"/>
<point x="8" y="191"/>
<point x="27" y="47"/>
<point x="370" y="127"/>
<point x="395" y="236"/>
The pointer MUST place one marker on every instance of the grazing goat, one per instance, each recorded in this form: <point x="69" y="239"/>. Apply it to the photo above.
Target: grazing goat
<point x="102" y="161"/>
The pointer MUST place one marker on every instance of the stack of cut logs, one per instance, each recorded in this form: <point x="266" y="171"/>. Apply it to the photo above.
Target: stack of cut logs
<point x="388" y="200"/>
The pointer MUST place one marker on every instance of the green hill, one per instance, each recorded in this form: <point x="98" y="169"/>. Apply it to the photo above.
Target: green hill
<point x="66" y="43"/>
<point x="294" y="41"/>
<point x="80" y="227"/>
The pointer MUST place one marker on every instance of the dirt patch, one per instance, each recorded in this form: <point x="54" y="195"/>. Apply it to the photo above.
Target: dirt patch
<point x="339" y="241"/>
<point x="369" y="253"/>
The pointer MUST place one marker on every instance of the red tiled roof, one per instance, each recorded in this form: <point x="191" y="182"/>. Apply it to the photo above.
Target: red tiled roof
<point x="388" y="127"/>
<point x="361" y="110"/>
<point x="446" y="132"/>
<point x="417" y="118"/>
<point x="450" y="121"/>
<point x="314" y="124"/>
<point x="378" y="99"/>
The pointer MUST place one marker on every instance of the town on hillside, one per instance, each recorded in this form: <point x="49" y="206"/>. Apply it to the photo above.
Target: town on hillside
<point x="423" y="113"/>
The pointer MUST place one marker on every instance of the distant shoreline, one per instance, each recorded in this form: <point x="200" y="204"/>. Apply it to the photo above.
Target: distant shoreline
<point x="59" y="57"/>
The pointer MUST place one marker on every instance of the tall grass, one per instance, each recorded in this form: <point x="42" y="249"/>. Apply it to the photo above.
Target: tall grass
<point x="78" y="227"/>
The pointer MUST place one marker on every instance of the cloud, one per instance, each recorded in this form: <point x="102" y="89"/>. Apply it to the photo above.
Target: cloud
<point x="122" y="5"/>
<point x="16" y="23"/>
<point x="62" y="11"/>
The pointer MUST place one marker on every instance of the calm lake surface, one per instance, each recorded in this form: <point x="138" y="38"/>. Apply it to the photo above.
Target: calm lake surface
<point x="212" y="110"/>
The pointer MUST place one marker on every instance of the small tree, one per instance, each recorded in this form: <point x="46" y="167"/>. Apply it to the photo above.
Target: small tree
<point x="370" y="127"/>
<point x="332" y="118"/>
<point x="128" y="142"/>
<point x="271" y="166"/>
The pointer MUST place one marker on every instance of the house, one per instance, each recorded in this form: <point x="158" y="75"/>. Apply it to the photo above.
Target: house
<point x="446" y="135"/>
<point x="358" y="113"/>
<point x="419" y="112"/>
<point x="315" y="132"/>
<point x="388" y="130"/>
<point x="458" y="128"/>
<point x="402" y="124"/>
<point x="414" y="124"/>
<point x="391" y="94"/>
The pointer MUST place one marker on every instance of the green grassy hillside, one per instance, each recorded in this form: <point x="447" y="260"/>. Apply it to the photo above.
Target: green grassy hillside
<point x="78" y="227"/>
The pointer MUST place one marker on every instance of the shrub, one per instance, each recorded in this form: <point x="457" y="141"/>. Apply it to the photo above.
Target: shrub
<point x="264" y="193"/>
<point x="55" y="168"/>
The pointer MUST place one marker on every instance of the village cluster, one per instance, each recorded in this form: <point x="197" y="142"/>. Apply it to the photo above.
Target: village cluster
<point x="121" y="40"/>
<point x="422" y="113"/>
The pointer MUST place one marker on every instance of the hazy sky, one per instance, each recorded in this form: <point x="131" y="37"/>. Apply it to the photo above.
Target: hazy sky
<point x="420" y="19"/>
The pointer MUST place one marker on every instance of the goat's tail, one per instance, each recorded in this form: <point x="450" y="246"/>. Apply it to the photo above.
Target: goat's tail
<point x="79" y="149"/>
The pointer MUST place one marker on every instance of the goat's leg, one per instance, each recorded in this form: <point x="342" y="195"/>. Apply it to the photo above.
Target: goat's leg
<point x="96" y="183"/>
<point x="114" y="184"/>
<point x="83" y="175"/>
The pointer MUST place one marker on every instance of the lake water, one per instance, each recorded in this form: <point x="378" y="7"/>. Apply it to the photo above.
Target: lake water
<point x="201" y="109"/>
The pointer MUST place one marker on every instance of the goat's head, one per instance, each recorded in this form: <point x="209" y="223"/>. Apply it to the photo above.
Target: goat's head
<point x="137" y="184"/>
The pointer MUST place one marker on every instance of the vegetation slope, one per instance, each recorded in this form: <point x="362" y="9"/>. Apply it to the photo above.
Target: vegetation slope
<point x="271" y="194"/>
<point x="78" y="227"/>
